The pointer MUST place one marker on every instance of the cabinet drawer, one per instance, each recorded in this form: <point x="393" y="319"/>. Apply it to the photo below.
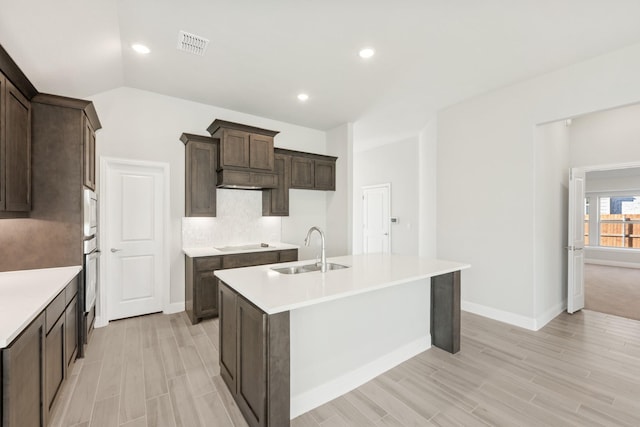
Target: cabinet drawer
<point x="71" y="290"/>
<point x="247" y="260"/>
<point x="288" y="255"/>
<point x="207" y="263"/>
<point x="54" y="310"/>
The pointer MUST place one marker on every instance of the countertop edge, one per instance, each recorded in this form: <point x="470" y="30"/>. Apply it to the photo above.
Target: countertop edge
<point x="212" y="251"/>
<point x="73" y="271"/>
<point x="456" y="266"/>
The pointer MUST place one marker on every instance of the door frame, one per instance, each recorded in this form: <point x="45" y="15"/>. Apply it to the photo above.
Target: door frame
<point x="586" y="169"/>
<point x="371" y="187"/>
<point x="104" y="226"/>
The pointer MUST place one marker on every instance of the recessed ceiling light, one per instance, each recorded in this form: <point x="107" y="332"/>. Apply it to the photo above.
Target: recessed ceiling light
<point x="303" y="97"/>
<point x="140" y="48"/>
<point x="366" y="53"/>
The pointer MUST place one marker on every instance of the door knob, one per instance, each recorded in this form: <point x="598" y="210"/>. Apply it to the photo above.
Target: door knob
<point x="114" y="250"/>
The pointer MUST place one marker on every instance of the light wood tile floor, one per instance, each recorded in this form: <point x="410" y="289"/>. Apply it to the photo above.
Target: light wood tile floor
<point x="581" y="369"/>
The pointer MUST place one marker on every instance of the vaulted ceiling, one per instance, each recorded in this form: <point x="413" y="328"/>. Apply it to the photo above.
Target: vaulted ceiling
<point x="262" y="53"/>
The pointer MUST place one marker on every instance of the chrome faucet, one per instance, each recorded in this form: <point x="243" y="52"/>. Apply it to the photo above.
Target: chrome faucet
<point x="323" y="257"/>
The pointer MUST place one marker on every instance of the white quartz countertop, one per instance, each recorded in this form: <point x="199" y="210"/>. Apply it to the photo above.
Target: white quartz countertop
<point x="237" y="249"/>
<point x="274" y="292"/>
<point x="25" y="294"/>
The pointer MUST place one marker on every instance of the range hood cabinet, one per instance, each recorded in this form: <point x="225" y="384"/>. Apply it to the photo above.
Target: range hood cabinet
<point x="246" y="180"/>
<point x="245" y="156"/>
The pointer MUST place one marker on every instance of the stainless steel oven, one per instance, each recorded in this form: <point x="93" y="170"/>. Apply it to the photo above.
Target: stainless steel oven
<point x="87" y="294"/>
<point x="89" y="291"/>
<point x="90" y="212"/>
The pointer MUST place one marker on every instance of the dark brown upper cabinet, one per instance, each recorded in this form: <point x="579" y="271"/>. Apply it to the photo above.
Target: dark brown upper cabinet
<point x="243" y="147"/>
<point x="200" y="175"/>
<point x="89" y="154"/>
<point x="15" y="149"/>
<point x="312" y="171"/>
<point x="16" y="92"/>
<point x="275" y="202"/>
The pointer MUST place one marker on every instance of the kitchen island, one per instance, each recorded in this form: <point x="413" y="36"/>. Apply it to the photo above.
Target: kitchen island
<point x="291" y="342"/>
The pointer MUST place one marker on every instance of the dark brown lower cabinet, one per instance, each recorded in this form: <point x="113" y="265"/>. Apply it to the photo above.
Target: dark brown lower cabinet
<point x="227" y="299"/>
<point x="71" y="330"/>
<point x="255" y="359"/>
<point x="22" y="373"/>
<point x="55" y="363"/>
<point x="35" y="365"/>
<point x="251" y="385"/>
<point x="201" y="287"/>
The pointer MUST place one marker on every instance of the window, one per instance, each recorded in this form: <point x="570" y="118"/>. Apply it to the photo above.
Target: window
<point x="586" y="220"/>
<point x="617" y="220"/>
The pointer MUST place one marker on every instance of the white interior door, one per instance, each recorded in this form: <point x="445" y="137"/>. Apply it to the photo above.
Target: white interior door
<point x="575" y="285"/>
<point x="136" y="194"/>
<point x="376" y="225"/>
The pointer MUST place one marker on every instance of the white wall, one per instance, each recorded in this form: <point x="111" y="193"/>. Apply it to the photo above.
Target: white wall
<point x="147" y="126"/>
<point x="606" y="137"/>
<point x="487" y="174"/>
<point x="612" y="184"/>
<point x="551" y="156"/>
<point x="396" y="163"/>
<point x="427" y="193"/>
<point x="340" y="202"/>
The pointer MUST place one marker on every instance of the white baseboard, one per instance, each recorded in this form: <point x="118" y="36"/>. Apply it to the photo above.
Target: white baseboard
<point x="549" y="315"/>
<point x="100" y="322"/>
<point x="174" y="307"/>
<point x="499" y="315"/>
<point x="612" y="263"/>
<point x="533" y="324"/>
<point x="320" y="395"/>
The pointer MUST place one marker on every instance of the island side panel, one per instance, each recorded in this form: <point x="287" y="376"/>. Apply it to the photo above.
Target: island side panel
<point x="445" y="311"/>
<point x="255" y="359"/>
<point x="279" y="370"/>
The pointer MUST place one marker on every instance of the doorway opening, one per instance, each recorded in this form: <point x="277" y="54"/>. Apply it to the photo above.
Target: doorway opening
<point x="612" y="241"/>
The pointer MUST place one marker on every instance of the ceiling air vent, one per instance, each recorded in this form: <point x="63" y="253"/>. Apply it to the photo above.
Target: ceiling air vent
<point x="192" y="43"/>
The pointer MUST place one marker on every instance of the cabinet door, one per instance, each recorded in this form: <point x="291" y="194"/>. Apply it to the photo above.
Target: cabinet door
<point x="234" y="149"/>
<point x="71" y="330"/>
<point x="325" y="175"/>
<point x="22" y="373"/>
<point x="3" y="87"/>
<point x="261" y="152"/>
<point x="89" y="147"/>
<point x="275" y="202"/>
<point x="55" y="363"/>
<point x="200" y="191"/>
<point x="252" y="359"/>
<point x="302" y="173"/>
<point x="228" y="345"/>
<point x="17" y="154"/>
<point x="206" y="294"/>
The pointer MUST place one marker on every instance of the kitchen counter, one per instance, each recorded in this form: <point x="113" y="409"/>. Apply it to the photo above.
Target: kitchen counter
<point x="25" y="294"/>
<point x="274" y="292"/>
<point x="319" y="335"/>
<point x="239" y="249"/>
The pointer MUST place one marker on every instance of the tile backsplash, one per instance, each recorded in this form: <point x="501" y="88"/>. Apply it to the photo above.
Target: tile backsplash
<point x="238" y="221"/>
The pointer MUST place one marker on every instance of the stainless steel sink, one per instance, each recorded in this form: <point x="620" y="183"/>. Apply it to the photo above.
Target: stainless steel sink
<point x="307" y="268"/>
